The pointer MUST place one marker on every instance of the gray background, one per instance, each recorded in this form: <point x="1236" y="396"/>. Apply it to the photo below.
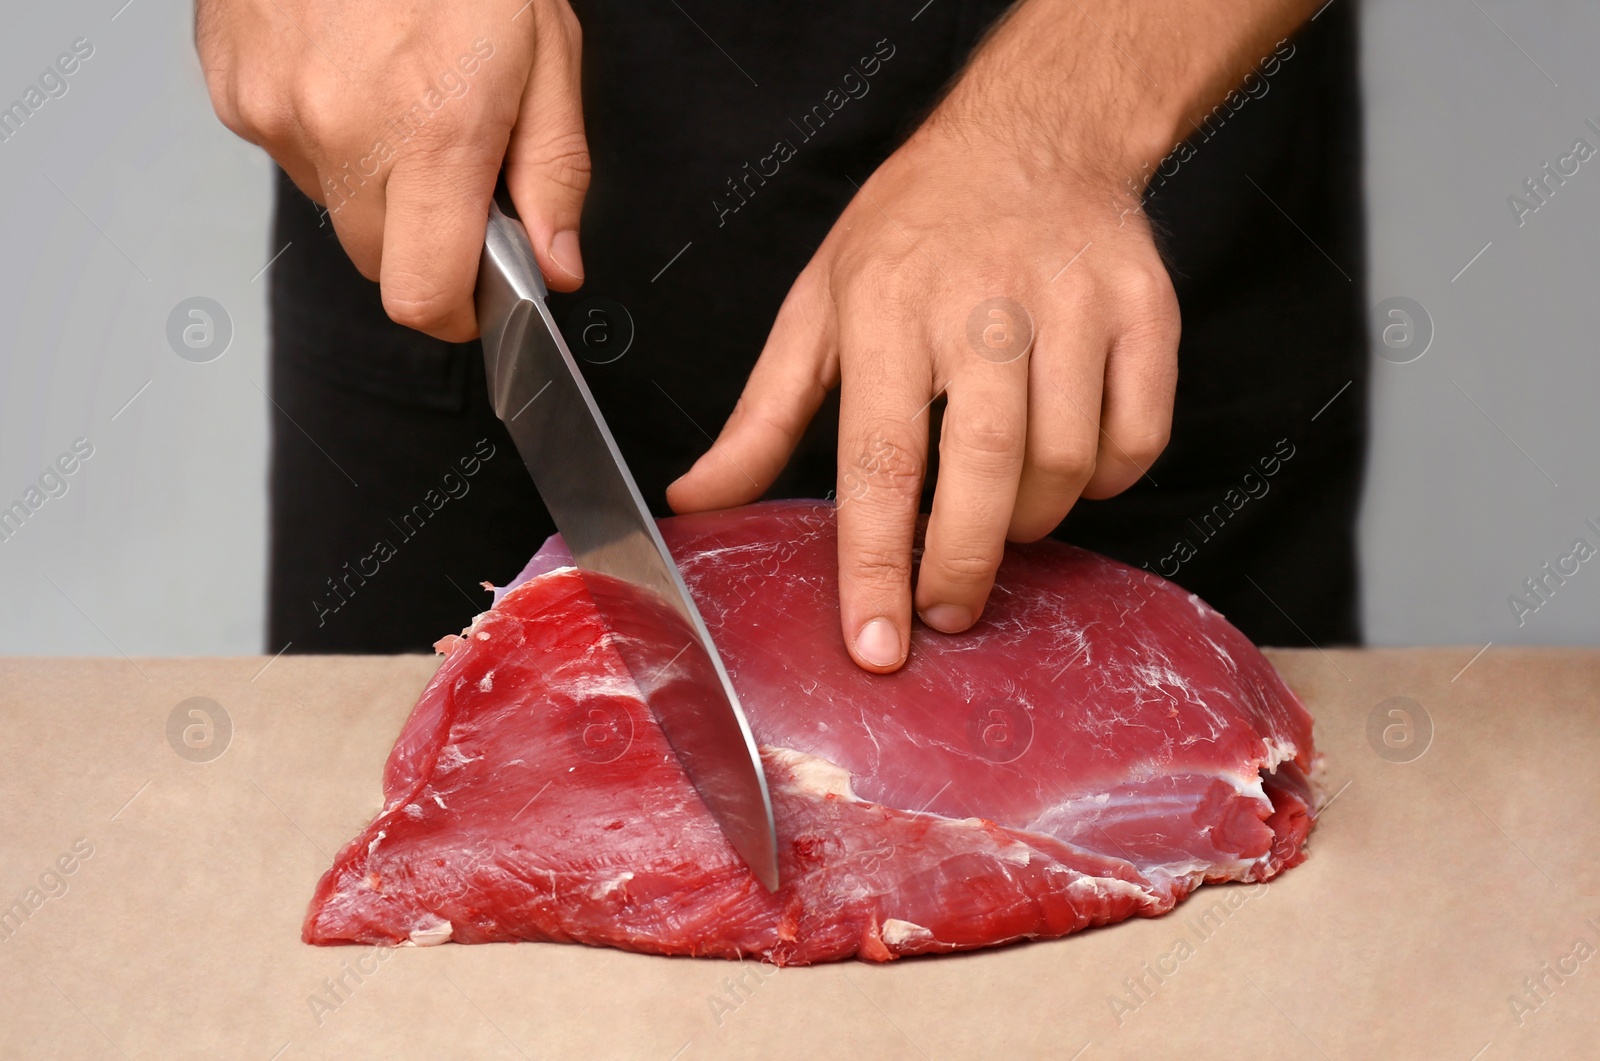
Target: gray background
<point x="125" y="196"/>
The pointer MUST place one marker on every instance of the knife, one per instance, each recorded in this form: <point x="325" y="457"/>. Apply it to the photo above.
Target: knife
<point x="539" y="393"/>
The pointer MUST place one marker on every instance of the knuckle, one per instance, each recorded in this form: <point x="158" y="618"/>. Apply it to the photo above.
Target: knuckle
<point x="441" y="159"/>
<point x="1112" y="478"/>
<point x="1031" y="526"/>
<point x="1069" y="460"/>
<point x="999" y="294"/>
<point x="963" y="567"/>
<point x="258" y="108"/>
<point x="887" y="282"/>
<point x="219" y="79"/>
<point x="877" y="566"/>
<point x="1090" y="297"/>
<point x="227" y="112"/>
<point x="987" y="432"/>
<point x="413" y="305"/>
<point x="563" y="160"/>
<point x="897" y="463"/>
<point x="882" y="464"/>
<point x="364" y="254"/>
<point x="773" y="414"/>
<point x="317" y="103"/>
<point x="1147" y="294"/>
<point x="1145" y="442"/>
<point x="571" y="27"/>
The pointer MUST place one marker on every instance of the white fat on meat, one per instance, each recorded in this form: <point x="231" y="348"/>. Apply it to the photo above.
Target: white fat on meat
<point x="811" y="775"/>
<point x="896" y="932"/>
<point x="430" y="933"/>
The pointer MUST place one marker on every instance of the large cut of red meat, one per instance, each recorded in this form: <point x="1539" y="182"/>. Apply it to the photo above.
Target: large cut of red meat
<point x="1099" y="745"/>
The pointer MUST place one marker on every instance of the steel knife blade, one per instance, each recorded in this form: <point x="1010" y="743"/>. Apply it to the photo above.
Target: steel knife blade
<point x="538" y="391"/>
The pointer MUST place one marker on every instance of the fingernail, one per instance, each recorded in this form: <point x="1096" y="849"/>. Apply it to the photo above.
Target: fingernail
<point x="564" y="249"/>
<point x="879" y="643"/>
<point x="947" y="618"/>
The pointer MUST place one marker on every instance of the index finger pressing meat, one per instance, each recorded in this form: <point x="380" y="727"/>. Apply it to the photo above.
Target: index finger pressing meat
<point x="1100" y="744"/>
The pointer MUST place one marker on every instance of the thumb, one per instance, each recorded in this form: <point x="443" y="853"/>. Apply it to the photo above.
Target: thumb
<point x="794" y="373"/>
<point x="547" y="160"/>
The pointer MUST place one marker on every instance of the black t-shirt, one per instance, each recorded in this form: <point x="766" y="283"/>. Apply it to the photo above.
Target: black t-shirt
<point x="1259" y="219"/>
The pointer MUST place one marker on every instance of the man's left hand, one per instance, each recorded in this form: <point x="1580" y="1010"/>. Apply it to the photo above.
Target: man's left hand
<point x="1029" y="292"/>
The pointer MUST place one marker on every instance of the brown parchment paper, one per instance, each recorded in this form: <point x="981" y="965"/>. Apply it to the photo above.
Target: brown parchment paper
<point x="1435" y="888"/>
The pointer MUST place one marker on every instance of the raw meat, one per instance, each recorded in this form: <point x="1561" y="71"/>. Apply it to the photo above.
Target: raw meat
<point x="1102" y="743"/>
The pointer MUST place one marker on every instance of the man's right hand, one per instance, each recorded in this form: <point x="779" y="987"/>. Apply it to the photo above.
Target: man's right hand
<point x="398" y="117"/>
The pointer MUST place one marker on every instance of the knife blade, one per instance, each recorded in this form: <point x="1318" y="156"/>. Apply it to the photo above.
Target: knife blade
<point x="539" y="393"/>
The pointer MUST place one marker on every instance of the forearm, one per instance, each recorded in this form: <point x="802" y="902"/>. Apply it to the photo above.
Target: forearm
<point x="1108" y="87"/>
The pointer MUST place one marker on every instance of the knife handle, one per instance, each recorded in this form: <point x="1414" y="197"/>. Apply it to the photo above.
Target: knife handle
<point x="502" y="197"/>
<point x="508" y="254"/>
